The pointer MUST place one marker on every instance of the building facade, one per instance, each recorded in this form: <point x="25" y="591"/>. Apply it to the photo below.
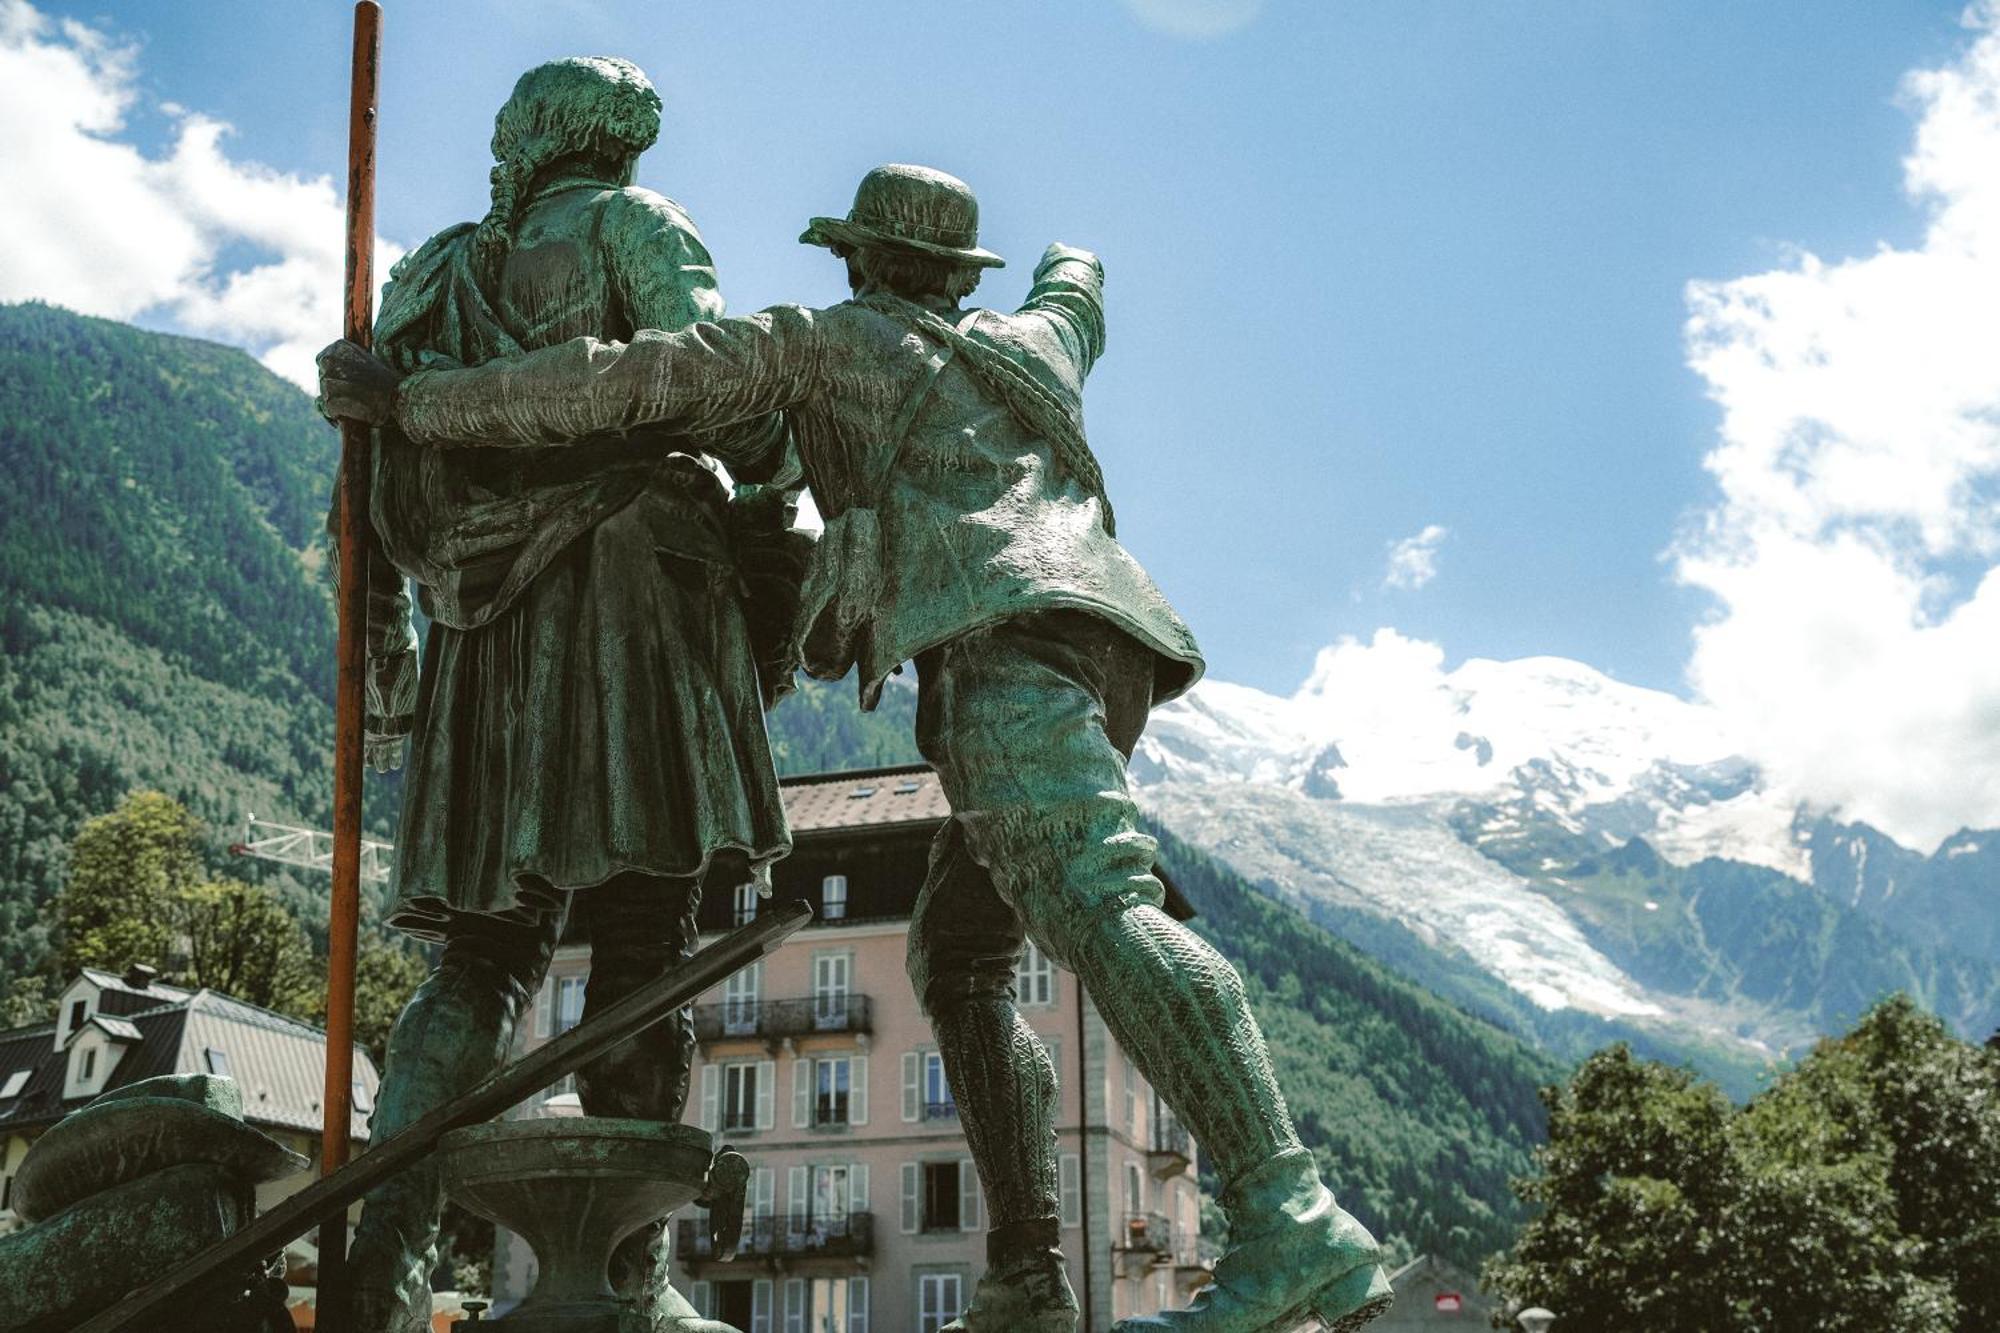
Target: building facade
<point x="864" y="1212"/>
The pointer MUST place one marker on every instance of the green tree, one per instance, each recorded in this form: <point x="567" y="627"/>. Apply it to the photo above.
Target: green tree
<point x="127" y="871"/>
<point x="239" y="939"/>
<point x="1855" y="1195"/>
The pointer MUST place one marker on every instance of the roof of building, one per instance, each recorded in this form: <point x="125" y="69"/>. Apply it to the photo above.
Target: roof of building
<point x="864" y="798"/>
<point x="279" y="1062"/>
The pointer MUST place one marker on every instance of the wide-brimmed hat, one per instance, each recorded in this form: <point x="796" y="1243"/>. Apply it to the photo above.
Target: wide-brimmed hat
<point x="920" y="209"/>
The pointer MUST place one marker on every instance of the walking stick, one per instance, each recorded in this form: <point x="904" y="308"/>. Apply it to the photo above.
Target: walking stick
<point x="344" y="911"/>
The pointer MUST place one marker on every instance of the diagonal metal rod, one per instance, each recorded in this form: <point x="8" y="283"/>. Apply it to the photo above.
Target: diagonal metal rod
<point x="533" y="1072"/>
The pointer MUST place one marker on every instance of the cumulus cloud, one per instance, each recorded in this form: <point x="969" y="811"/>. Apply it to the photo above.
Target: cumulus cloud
<point x="1413" y="560"/>
<point x="1852" y="550"/>
<point x="192" y="239"/>
<point x="1196" y="20"/>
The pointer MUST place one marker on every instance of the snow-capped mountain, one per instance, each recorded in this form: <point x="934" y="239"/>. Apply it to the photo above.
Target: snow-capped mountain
<point x="1491" y="811"/>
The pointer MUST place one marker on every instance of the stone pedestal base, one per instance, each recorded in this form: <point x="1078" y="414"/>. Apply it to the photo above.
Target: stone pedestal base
<point x="574" y="1188"/>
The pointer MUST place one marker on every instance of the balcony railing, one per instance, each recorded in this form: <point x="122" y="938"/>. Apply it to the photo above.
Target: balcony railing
<point x="945" y="1110"/>
<point x="1148" y="1232"/>
<point x="783" y="1018"/>
<point x="1171" y="1149"/>
<point x="802" y="1234"/>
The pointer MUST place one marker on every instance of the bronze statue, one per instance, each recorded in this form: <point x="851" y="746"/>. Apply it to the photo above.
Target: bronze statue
<point x="968" y="529"/>
<point x="588" y="735"/>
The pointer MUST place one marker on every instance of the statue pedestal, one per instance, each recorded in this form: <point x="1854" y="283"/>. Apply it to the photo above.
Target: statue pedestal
<point x="573" y="1188"/>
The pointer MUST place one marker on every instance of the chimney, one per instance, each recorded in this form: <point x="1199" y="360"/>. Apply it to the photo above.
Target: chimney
<point x="139" y="976"/>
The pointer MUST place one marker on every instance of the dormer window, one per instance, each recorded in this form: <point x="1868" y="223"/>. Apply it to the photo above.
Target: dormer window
<point x="88" y="1071"/>
<point x="78" y="1013"/>
<point x="15" y="1082"/>
<point x="833" y="897"/>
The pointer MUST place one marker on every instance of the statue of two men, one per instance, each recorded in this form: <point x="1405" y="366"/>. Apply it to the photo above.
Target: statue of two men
<point x="968" y="530"/>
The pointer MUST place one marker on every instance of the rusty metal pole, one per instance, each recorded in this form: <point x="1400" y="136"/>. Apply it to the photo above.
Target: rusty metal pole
<point x="344" y="913"/>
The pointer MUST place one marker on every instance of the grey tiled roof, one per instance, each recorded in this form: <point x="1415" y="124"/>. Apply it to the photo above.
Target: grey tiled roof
<point x="279" y="1062"/>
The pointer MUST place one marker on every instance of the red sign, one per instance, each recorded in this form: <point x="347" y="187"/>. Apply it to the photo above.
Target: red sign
<point x="1449" y="1300"/>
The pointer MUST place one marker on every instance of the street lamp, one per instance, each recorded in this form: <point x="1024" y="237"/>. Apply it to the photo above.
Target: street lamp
<point x="1536" y="1320"/>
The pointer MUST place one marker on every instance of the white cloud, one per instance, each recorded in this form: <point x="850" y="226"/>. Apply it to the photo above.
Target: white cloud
<point x="95" y="224"/>
<point x="1196" y="20"/>
<point x="1856" y="644"/>
<point x="1413" y="560"/>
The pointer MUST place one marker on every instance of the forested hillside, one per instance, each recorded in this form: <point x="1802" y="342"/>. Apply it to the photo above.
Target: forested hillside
<point x="163" y="620"/>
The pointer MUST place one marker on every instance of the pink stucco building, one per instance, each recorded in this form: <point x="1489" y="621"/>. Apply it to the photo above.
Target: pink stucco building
<point x="864" y="1213"/>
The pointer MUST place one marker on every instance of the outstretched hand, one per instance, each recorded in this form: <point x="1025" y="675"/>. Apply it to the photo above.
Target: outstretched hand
<point x="355" y="384"/>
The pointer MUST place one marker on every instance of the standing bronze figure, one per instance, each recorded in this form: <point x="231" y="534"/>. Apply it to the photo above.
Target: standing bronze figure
<point x="586" y="731"/>
<point x="968" y="529"/>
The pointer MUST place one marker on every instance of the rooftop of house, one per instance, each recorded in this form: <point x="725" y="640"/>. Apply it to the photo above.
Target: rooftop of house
<point x="864" y="798"/>
<point x="279" y="1062"/>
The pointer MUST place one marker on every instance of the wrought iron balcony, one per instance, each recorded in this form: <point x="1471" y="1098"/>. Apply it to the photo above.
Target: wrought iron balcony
<point x="1171" y="1149"/>
<point x="797" y="1235"/>
<point x="945" y="1110"/>
<point x="783" y="1018"/>
<point x="1148" y="1233"/>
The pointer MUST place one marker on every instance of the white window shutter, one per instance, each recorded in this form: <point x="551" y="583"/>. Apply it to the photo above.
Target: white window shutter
<point x="711" y="1093"/>
<point x="802" y="1091"/>
<point x="913" y="1068"/>
<point x="795" y="1305"/>
<point x="857" y="1090"/>
<point x="912" y="1200"/>
<point x="760" y="1305"/>
<point x="857" y="1187"/>
<point x="1070" y="1190"/>
<point x="763" y="1198"/>
<point x="702" y="1297"/>
<point x="767" y="1107"/>
<point x="798" y="1194"/>
<point x="968" y="1195"/>
<point x="543" y="1005"/>
<point x="857" y="1305"/>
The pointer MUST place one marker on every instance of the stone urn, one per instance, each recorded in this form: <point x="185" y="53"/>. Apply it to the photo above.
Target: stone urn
<point x="573" y="1188"/>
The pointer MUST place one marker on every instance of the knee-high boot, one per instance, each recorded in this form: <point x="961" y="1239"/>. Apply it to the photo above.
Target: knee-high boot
<point x="455" y="1030"/>
<point x="1179" y="1010"/>
<point x="1005" y="1085"/>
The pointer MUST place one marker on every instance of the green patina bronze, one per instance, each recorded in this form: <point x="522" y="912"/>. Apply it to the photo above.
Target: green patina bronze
<point x="968" y="529"/>
<point x="586" y="732"/>
<point x="138" y="1181"/>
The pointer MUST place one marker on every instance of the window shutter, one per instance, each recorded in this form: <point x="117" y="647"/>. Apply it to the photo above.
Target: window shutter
<point x="760" y="1305"/>
<point x="763" y="1198"/>
<point x="798" y="1195"/>
<point x="767" y="1078"/>
<point x="543" y="1003"/>
<point x="857" y="1090"/>
<point x="802" y="1090"/>
<point x="968" y="1195"/>
<point x="1069" y="1190"/>
<point x="702" y="1298"/>
<point x="857" y="1305"/>
<point x="795" y="1305"/>
<point x="711" y="1093"/>
<point x="857" y="1187"/>
<point x="912" y="1183"/>
<point x="913" y="1109"/>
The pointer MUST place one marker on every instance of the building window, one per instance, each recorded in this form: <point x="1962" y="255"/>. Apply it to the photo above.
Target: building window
<point x="78" y="1012"/>
<point x="745" y="904"/>
<point x="739" y="999"/>
<point x="833" y="897"/>
<point x="836" y="1305"/>
<point x="89" y="1064"/>
<point x="569" y="1002"/>
<point x="830" y="1091"/>
<point x="217" y="1061"/>
<point x="739" y="1097"/>
<point x="1034" y="978"/>
<point x="941" y="1196"/>
<point x="1135" y="1188"/>
<point x="938" y="1101"/>
<point x="15" y="1082"/>
<point x="937" y="1301"/>
<point x="1070" y="1189"/>
<point x="833" y="973"/>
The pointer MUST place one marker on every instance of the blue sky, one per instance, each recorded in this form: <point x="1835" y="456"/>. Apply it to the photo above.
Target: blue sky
<point x="1374" y="268"/>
